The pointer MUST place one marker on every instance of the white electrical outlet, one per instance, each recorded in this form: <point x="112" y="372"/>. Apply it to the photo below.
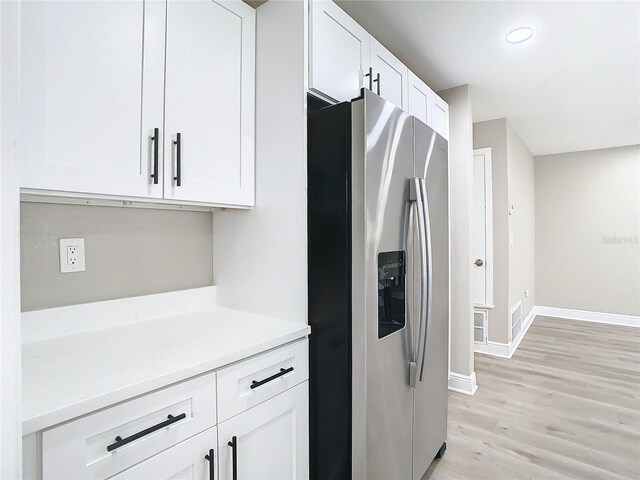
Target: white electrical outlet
<point x="71" y="255"/>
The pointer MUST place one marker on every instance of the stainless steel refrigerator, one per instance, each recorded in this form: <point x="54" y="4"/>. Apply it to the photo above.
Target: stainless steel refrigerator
<point x="378" y="291"/>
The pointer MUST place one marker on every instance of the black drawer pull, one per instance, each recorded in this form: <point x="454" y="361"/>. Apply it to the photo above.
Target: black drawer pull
<point x="283" y="371"/>
<point x="123" y="441"/>
<point x="212" y="467"/>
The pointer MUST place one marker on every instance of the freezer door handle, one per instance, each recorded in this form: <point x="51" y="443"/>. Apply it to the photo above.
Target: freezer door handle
<point x="429" y="273"/>
<point x="415" y="195"/>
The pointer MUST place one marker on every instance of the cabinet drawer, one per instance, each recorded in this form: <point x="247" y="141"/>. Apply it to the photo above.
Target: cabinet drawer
<point x="87" y="448"/>
<point x="269" y="374"/>
<point x="186" y="460"/>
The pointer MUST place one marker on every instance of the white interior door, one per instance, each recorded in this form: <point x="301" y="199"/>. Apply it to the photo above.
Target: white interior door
<point x="482" y="230"/>
<point x="271" y="439"/>
<point x="210" y="101"/>
<point x="89" y="104"/>
<point x="393" y="83"/>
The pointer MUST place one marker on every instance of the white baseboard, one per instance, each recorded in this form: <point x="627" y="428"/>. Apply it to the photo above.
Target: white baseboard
<point x="587" y="316"/>
<point x="506" y="350"/>
<point x="465" y="384"/>
<point x="495" y="349"/>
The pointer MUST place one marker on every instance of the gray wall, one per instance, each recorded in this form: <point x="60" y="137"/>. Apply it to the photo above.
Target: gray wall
<point x="513" y="179"/>
<point x="493" y="134"/>
<point x="522" y="223"/>
<point x="128" y="252"/>
<point x="587" y="228"/>
<point x="260" y="256"/>
<point x="460" y="178"/>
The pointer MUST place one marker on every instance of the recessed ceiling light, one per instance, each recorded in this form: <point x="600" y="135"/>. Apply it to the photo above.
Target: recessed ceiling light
<point x="519" y="35"/>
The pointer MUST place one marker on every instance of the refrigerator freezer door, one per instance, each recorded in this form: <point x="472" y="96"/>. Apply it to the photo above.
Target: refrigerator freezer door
<point x="430" y="394"/>
<point x="380" y="215"/>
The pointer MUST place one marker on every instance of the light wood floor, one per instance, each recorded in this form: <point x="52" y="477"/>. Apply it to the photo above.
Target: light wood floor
<point x="566" y="406"/>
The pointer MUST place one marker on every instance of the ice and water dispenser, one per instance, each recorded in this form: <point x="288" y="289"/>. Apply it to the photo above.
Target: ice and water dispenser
<point x="391" y="292"/>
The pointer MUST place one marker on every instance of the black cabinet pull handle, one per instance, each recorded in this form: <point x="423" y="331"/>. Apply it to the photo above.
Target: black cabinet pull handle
<point x="234" y="456"/>
<point x="123" y="441"/>
<point x="377" y="80"/>
<point x="156" y="141"/>
<point x="283" y="371"/>
<point x="178" y="144"/>
<point x="212" y="467"/>
<point x="370" y="75"/>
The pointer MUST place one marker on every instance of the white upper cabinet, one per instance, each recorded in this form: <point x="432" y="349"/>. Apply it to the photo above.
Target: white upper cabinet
<point x="95" y="87"/>
<point x="419" y="94"/>
<point x="339" y="52"/>
<point x="344" y="58"/>
<point x="210" y="102"/>
<point x="389" y="75"/>
<point x="439" y="119"/>
<point x="89" y="105"/>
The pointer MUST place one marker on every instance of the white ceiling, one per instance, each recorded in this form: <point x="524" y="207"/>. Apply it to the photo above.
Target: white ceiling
<point x="574" y="86"/>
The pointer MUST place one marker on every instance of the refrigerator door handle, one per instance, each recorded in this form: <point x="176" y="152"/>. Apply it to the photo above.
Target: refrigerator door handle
<point x="429" y="271"/>
<point x="416" y="196"/>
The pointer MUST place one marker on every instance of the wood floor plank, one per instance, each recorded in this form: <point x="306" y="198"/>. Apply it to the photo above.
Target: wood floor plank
<point x="565" y="406"/>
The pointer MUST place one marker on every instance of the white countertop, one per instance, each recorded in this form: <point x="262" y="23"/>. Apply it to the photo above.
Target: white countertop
<point x="69" y="376"/>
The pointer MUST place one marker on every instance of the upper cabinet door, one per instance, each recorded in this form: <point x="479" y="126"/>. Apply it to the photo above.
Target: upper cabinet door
<point x="339" y="52"/>
<point x="439" y="118"/>
<point x="419" y="94"/>
<point x="393" y="75"/>
<point x="89" y="104"/>
<point x="210" y="102"/>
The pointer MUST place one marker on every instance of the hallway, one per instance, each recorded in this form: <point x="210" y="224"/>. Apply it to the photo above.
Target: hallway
<point x="567" y="405"/>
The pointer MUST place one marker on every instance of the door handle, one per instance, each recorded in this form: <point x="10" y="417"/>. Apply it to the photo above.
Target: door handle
<point x="479" y="262"/>
<point x="156" y="141"/>
<point x="234" y="457"/>
<point x="429" y="268"/>
<point x="415" y="194"/>
<point x="212" y="468"/>
<point x="178" y="144"/>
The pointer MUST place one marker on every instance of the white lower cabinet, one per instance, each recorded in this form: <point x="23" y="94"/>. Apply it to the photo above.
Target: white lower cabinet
<point x="180" y="432"/>
<point x="193" y="459"/>
<point x="268" y="441"/>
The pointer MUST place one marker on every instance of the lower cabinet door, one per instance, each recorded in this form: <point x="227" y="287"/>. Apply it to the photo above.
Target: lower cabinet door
<point x="193" y="459"/>
<point x="268" y="441"/>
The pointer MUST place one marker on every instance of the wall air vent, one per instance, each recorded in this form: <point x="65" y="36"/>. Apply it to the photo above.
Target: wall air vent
<point x="480" y="327"/>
